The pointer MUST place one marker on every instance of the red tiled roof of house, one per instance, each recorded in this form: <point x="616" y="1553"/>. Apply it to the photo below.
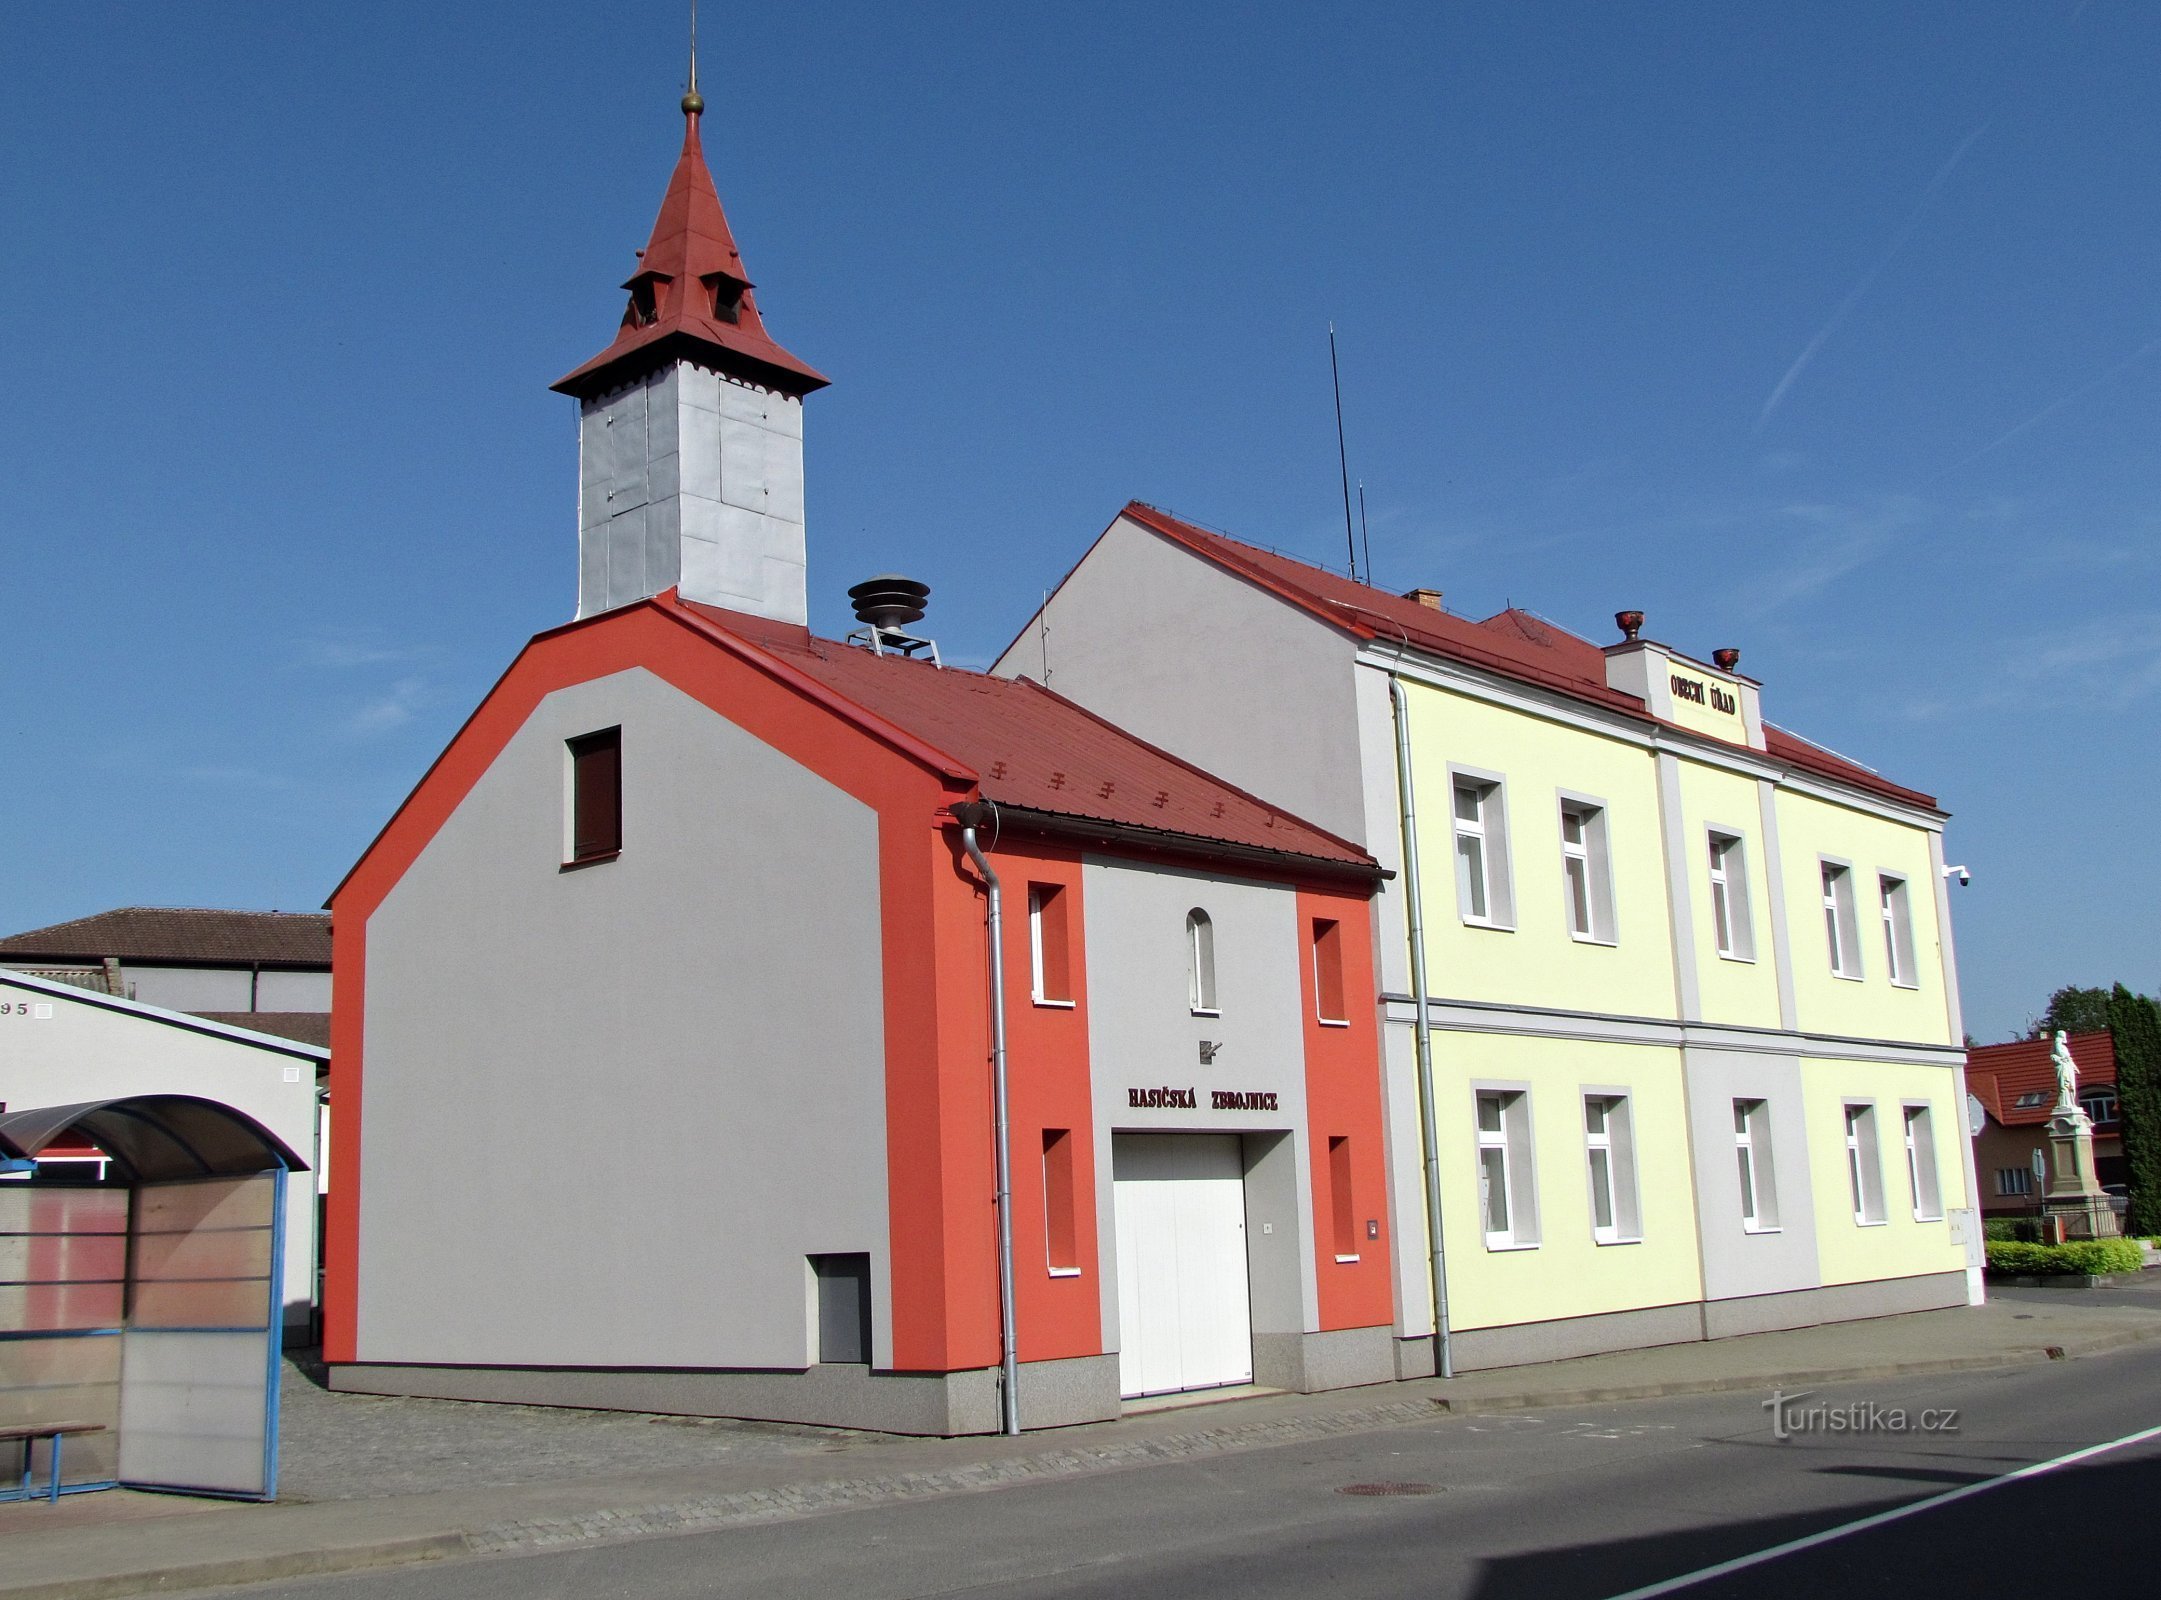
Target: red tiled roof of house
<point x="1034" y="750"/>
<point x="1513" y="643"/>
<point x="185" y="934"/>
<point x="2002" y="1075"/>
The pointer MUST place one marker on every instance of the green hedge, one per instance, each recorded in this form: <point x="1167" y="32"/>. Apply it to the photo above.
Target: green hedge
<point x="2047" y="1260"/>
<point x="2025" y="1229"/>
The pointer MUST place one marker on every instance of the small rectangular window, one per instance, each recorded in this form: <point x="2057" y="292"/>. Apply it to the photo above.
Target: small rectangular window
<point x="1328" y="971"/>
<point x="1049" y="949"/>
<point x="1610" y="1156"/>
<point x="1897" y="930"/>
<point x="1921" y="1165"/>
<point x="1732" y="922"/>
<point x="1201" y="963"/>
<point x="1587" y="871"/>
<point x="843" y="1307"/>
<point x="1752" y="1145"/>
<point x="1864" y="1164"/>
<point x="1342" y="1200"/>
<point x="1507" y="1192"/>
<point x="1840" y="926"/>
<point x="2014" y="1182"/>
<point x="596" y="795"/>
<point x="1484" y="897"/>
<point x="1061" y="1235"/>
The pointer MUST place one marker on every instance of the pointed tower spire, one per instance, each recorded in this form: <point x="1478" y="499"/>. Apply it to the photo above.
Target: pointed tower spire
<point x="691" y="430"/>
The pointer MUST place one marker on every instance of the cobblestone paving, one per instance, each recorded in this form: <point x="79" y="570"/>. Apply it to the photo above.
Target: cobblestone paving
<point x="357" y="1446"/>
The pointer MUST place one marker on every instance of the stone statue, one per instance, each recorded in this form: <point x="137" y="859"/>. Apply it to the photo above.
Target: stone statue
<point x="2066" y="1072"/>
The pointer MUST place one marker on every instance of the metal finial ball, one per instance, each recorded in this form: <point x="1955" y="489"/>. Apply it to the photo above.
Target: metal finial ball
<point x="693" y="103"/>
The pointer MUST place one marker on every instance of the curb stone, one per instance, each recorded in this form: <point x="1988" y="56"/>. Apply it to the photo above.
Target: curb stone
<point x="750" y="1507"/>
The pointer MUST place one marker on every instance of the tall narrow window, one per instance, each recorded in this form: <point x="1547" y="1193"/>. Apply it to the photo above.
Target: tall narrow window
<point x="1507" y="1193"/>
<point x="1752" y="1144"/>
<point x="1049" y="950"/>
<point x="1587" y="871"/>
<point x="1730" y="916"/>
<point x="1921" y="1165"/>
<point x="1483" y="896"/>
<point x="1609" y="1150"/>
<point x="1328" y="971"/>
<point x="1839" y="922"/>
<point x="1897" y="930"/>
<point x="1342" y="1201"/>
<point x="1201" y="963"/>
<point x="596" y="795"/>
<point x="844" y="1326"/>
<point x="1061" y="1236"/>
<point x="1864" y="1167"/>
<point x="1493" y="1166"/>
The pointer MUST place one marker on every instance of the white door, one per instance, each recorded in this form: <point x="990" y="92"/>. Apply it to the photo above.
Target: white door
<point x="1184" y="1319"/>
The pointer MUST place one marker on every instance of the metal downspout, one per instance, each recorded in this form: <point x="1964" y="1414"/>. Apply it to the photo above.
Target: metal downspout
<point x="1009" y="1359"/>
<point x="1422" y="1031"/>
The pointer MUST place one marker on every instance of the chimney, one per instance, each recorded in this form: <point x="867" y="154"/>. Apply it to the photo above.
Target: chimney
<point x="1429" y="598"/>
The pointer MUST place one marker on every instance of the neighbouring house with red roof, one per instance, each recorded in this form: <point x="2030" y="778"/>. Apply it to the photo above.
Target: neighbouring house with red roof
<point x="2015" y="1085"/>
<point x="737" y="1021"/>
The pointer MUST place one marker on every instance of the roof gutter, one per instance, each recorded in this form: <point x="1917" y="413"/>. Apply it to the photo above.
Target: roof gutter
<point x="1092" y="830"/>
<point x="970" y="815"/>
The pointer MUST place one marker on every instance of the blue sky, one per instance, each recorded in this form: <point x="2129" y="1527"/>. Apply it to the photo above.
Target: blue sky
<point x="1829" y="331"/>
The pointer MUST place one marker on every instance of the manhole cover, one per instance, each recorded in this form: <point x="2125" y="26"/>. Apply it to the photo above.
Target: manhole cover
<point x="1390" y="1488"/>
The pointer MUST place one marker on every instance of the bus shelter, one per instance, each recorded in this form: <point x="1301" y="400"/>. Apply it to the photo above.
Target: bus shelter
<point x="140" y="1316"/>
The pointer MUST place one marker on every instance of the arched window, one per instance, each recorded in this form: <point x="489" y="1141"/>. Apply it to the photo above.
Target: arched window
<point x="1201" y="962"/>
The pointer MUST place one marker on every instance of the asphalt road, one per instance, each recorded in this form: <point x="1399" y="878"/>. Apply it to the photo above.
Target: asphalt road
<point x="1557" y="1505"/>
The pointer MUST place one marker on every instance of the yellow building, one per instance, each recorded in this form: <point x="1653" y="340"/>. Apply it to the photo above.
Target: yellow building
<point x="1672" y="1044"/>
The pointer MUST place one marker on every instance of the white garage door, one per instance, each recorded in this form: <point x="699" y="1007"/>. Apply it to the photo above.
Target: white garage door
<point x="1184" y="1321"/>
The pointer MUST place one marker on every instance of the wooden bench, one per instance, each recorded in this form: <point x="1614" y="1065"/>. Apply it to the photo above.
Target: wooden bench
<point x="28" y="1434"/>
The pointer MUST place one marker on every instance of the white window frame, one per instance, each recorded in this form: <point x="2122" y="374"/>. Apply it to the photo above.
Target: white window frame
<point x="1864" y="1164"/>
<point x="1840" y="920"/>
<point x="1489" y="830"/>
<point x="2103" y="1095"/>
<point x="1898" y="929"/>
<point x="1754" y="1168"/>
<point x="1726" y="849"/>
<point x="1921" y="1174"/>
<point x="1035" y="948"/>
<point x="1609" y="1130"/>
<point x="1594" y="855"/>
<point x="1509" y="1148"/>
<point x="1201" y="995"/>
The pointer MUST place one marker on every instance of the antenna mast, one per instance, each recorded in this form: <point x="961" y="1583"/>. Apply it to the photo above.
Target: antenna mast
<point x="1363" y="538"/>
<point x="1343" y="460"/>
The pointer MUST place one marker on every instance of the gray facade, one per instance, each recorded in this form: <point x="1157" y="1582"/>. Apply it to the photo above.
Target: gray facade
<point x="592" y="1096"/>
<point x="1186" y="656"/>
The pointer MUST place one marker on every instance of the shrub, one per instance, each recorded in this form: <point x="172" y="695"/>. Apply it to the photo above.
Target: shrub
<point x="2027" y="1229"/>
<point x="2017" y="1258"/>
<point x="2135" y="1022"/>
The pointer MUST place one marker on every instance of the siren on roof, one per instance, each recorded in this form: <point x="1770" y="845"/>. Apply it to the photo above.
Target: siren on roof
<point x="885" y="605"/>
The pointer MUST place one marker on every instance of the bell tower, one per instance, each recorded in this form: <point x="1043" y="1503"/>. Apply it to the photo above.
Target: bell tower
<point x="690" y="434"/>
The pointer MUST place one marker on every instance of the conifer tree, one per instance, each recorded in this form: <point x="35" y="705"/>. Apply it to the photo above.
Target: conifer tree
<point x="2135" y="1026"/>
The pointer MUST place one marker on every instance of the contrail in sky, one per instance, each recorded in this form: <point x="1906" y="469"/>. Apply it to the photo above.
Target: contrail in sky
<point x="2054" y="406"/>
<point x="1868" y="278"/>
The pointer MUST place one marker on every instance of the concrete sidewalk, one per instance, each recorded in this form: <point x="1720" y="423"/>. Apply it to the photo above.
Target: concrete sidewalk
<point x="122" y="1543"/>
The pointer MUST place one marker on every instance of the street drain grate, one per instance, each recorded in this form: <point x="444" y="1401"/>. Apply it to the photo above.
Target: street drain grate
<point x="1389" y="1488"/>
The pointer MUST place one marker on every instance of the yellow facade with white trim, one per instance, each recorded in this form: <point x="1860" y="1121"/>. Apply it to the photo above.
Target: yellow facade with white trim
<point x="1903" y="1244"/>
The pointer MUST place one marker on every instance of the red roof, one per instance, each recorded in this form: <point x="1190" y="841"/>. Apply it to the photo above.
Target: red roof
<point x="1030" y="749"/>
<point x="1513" y="643"/>
<point x="688" y="269"/>
<point x="2001" y="1075"/>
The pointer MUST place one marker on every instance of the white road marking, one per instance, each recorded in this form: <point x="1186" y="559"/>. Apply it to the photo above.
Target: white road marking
<point x="1743" y="1563"/>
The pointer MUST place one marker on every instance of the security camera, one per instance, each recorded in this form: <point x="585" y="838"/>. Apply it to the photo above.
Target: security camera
<point x="1964" y="877"/>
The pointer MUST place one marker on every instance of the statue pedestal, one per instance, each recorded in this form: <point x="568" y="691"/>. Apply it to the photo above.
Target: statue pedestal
<point x="2073" y="1196"/>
